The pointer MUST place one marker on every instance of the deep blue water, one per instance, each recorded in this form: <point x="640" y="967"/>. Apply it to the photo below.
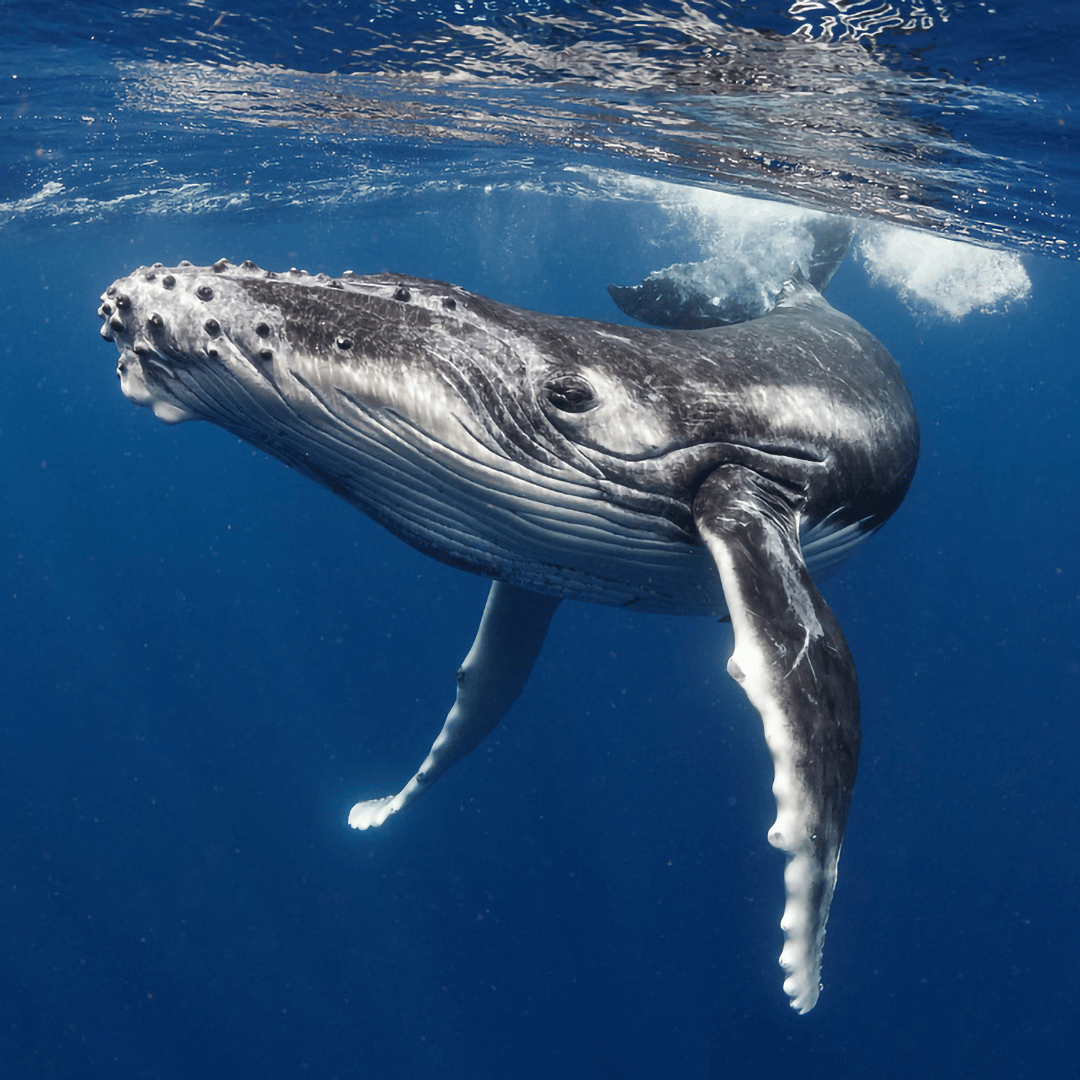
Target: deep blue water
<point x="207" y="659"/>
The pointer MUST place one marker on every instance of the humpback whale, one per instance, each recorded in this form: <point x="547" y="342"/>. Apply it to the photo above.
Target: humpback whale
<point x="709" y="472"/>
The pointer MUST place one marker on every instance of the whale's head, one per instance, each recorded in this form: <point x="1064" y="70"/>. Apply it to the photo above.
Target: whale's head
<point x="285" y="358"/>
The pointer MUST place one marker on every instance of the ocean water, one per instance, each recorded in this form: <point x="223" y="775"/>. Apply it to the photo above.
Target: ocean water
<point x="207" y="659"/>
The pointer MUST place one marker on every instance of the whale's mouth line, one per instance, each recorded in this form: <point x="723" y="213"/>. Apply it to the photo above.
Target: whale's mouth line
<point x="779" y="453"/>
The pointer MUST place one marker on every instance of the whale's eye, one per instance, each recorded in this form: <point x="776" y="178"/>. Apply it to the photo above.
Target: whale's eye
<point x="570" y="393"/>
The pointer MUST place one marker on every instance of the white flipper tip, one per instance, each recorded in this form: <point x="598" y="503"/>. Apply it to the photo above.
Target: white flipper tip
<point x="803" y="924"/>
<point x="373" y="812"/>
<point x="803" y="996"/>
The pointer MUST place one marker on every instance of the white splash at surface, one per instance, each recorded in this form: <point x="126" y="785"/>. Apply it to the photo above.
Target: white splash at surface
<point x="755" y="240"/>
<point x="951" y="277"/>
<point x="752" y="231"/>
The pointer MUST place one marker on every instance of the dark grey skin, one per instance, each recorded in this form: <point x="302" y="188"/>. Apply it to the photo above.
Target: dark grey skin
<point x="695" y="472"/>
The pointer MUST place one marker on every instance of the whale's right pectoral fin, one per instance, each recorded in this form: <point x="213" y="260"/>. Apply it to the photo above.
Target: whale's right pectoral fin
<point x="791" y="660"/>
<point x="508" y="641"/>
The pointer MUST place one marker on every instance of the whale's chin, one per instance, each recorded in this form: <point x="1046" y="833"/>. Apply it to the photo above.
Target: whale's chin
<point x="138" y="389"/>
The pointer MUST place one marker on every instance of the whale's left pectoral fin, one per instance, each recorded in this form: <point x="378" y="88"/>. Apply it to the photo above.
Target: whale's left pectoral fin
<point x="791" y="659"/>
<point x="508" y="641"/>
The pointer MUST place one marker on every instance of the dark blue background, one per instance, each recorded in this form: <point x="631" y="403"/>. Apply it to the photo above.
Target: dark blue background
<point x="206" y="660"/>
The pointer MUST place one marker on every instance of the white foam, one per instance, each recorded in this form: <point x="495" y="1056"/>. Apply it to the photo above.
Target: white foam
<point x="19" y="206"/>
<point x="951" y="277"/>
<point x="754" y="240"/>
